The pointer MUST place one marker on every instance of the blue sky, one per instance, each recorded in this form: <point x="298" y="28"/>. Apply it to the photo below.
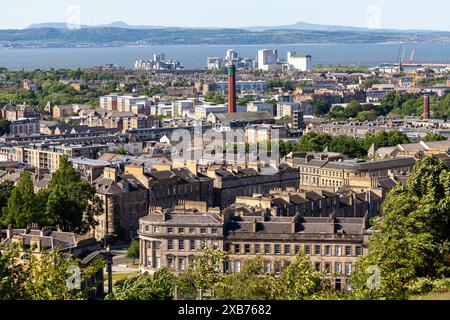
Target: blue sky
<point x="401" y="14"/>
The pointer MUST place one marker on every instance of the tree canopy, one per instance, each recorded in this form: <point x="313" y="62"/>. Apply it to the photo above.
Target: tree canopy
<point x="68" y="203"/>
<point x="411" y="241"/>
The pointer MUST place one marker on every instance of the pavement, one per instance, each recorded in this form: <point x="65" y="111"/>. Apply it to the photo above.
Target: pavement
<point x="121" y="262"/>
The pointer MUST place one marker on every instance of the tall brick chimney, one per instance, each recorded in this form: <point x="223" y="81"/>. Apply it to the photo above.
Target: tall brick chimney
<point x="232" y="88"/>
<point x="426" y="107"/>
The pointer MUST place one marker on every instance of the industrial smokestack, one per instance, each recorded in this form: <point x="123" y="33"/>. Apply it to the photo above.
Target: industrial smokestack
<point x="426" y="107"/>
<point x="232" y="88"/>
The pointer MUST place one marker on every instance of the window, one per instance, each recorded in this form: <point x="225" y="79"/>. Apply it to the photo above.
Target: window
<point x="169" y="244"/>
<point x="155" y="229"/>
<point x="267" y="267"/>
<point x="277" y="267"/>
<point x="348" y="269"/>
<point x="193" y="245"/>
<point x="169" y="230"/>
<point x="327" y="268"/>
<point x="215" y="245"/>
<point x="318" y="266"/>
<point x="287" y="250"/>
<point x="297" y="250"/>
<point x="328" y="250"/>
<point x="338" y="251"/>
<point x="181" y="264"/>
<point x="203" y="230"/>
<point x="308" y="250"/>
<point x="170" y="262"/>
<point x="338" y="285"/>
<point x="257" y="249"/>
<point x="214" y="231"/>
<point x="277" y="249"/>
<point x="348" y="251"/>
<point x="237" y="248"/>
<point x="247" y="249"/>
<point x="158" y="262"/>
<point x="147" y="228"/>
<point x="237" y="266"/>
<point x="192" y="230"/>
<point x="181" y="245"/>
<point x="317" y="250"/>
<point x="181" y="230"/>
<point x="267" y="249"/>
<point x="359" y="251"/>
<point x="337" y="268"/>
<point x="227" y="266"/>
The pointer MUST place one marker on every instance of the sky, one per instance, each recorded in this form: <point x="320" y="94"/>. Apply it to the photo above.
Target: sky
<point x="398" y="14"/>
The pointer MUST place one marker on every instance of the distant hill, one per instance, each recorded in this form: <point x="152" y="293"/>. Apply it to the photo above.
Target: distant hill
<point x="296" y="26"/>
<point x="116" y="24"/>
<point x="308" y="26"/>
<point x="58" y="35"/>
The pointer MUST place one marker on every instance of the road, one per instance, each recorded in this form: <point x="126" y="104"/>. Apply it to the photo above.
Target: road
<point x="121" y="262"/>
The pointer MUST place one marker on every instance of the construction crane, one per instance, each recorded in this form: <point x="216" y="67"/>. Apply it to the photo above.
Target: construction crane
<point x="400" y="58"/>
<point x="411" y="59"/>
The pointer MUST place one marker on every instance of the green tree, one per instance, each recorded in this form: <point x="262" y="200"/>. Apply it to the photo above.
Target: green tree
<point x="6" y="188"/>
<point x="385" y="139"/>
<point x="321" y="108"/>
<point x="411" y="240"/>
<point x="207" y="270"/>
<point x="4" y="127"/>
<point x="298" y="281"/>
<point x="431" y="136"/>
<point x="159" y="286"/>
<point x="364" y="116"/>
<point x="313" y="142"/>
<point x="22" y="208"/>
<point x="133" y="250"/>
<point x="72" y="204"/>
<point x="42" y="278"/>
<point x="12" y="275"/>
<point x="121" y="151"/>
<point x="248" y="284"/>
<point x="348" y="145"/>
<point x="212" y="97"/>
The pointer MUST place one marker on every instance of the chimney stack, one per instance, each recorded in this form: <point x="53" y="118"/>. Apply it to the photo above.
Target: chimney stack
<point x="232" y="108"/>
<point x="426" y="107"/>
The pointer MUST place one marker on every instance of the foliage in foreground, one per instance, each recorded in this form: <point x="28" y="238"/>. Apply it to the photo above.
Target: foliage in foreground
<point x="410" y="245"/>
<point x="24" y="276"/>
<point x="68" y="203"/>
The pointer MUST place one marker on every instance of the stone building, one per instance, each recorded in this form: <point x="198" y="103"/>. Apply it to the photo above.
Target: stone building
<point x="174" y="239"/>
<point x="168" y="187"/>
<point x="125" y="201"/>
<point x="231" y="182"/>
<point x="331" y="229"/>
<point x="38" y="242"/>
<point x="359" y="174"/>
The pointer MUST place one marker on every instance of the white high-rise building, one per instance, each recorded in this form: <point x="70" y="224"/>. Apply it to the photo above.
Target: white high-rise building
<point x="299" y="62"/>
<point x="231" y="55"/>
<point x="267" y="59"/>
<point x="215" y="63"/>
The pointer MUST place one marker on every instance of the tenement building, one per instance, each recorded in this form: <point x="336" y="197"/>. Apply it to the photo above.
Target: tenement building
<point x="129" y="194"/>
<point x="358" y="174"/>
<point x="231" y="181"/>
<point x="331" y="229"/>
